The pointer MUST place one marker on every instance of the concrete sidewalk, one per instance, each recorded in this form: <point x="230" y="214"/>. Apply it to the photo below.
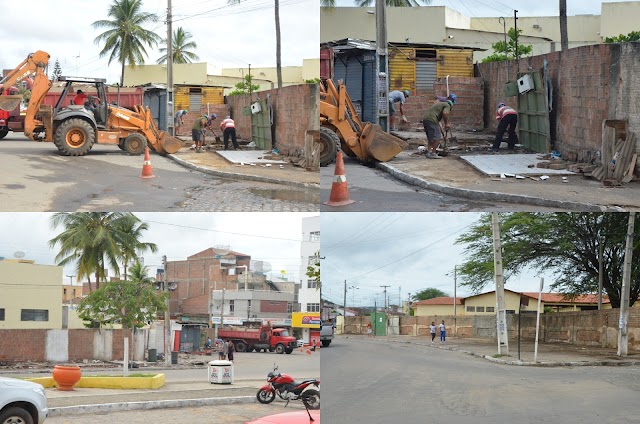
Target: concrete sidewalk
<point x="556" y="354"/>
<point x="453" y="176"/>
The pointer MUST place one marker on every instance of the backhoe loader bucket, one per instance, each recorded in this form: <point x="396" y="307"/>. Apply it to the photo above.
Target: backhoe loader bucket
<point x="9" y="103"/>
<point x="378" y="145"/>
<point x="167" y="144"/>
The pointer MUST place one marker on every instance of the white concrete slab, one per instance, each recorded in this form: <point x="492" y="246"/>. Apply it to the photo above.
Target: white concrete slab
<point x="246" y="156"/>
<point x="511" y="164"/>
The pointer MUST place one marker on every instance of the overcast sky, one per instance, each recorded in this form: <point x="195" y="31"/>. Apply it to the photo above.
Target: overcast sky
<point x="358" y="246"/>
<point x="270" y="237"/>
<point x="486" y="8"/>
<point x="228" y="36"/>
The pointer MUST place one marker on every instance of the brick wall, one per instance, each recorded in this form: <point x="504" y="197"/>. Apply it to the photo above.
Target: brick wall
<point x="82" y="342"/>
<point x="220" y="110"/>
<point x="272" y="306"/>
<point x="25" y="345"/>
<point x="590" y="84"/>
<point x="295" y="110"/>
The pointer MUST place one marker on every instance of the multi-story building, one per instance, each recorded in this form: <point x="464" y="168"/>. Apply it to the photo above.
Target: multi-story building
<point x="308" y="319"/>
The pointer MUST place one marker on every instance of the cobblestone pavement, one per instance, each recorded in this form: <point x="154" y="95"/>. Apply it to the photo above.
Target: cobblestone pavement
<point x="228" y="414"/>
<point x="221" y="195"/>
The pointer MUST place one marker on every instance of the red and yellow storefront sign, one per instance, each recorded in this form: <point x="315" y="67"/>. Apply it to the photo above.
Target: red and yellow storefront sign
<point x="305" y="320"/>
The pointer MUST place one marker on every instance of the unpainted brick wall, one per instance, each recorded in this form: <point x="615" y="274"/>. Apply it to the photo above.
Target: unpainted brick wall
<point x="296" y="109"/>
<point x="221" y="112"/>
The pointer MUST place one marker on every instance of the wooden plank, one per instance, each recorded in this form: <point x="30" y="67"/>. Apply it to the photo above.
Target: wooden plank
<point x="632" y="166"/>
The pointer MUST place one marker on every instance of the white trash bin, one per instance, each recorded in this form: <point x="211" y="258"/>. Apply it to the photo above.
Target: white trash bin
<point x="220" y="372"/>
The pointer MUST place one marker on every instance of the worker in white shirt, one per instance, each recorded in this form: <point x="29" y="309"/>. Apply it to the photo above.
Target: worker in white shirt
<point x="228" y="128"/>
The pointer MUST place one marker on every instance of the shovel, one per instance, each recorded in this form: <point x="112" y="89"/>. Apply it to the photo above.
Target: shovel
<point x="445" y="150"/>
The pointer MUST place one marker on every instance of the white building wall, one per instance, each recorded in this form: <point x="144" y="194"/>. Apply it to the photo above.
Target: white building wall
<point x="308" y="248"/>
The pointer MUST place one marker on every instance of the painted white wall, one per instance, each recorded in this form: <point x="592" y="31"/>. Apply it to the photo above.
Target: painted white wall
<point x="57" y="346"/>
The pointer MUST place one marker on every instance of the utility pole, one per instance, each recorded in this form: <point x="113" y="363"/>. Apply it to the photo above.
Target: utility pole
<point x="167" y="315"/>
<point x="170" y="128"/>
<point x="623" y="332"/>
<point x="600" y="270"/>
<point x="515" y="24"/>
<point x="344" y="307"/>
<point x="501" y="309"/>
<point x="455" y="298"/>
<point x="386" y="330"/>
<point x="382" y="83"/>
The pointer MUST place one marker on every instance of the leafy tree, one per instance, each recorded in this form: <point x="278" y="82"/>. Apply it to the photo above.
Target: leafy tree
<point x="128" y="303"/>
<point x="245" y="87"/>
<point x="125" y="38"/>
<point x="181" y="47"/>
<point x="507" y="51"/>
<point x="632" y="36"/>
<point x="57" y="71"/>
<point x="312" y="81"/>
<point x="565" y="244"/>
<point x="95" y="240"/>
<point x="313" y="271"/>
<point x="429" y="293"/>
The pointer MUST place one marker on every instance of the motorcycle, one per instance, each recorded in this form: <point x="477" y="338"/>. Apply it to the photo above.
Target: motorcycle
<point x="288" y="389"/>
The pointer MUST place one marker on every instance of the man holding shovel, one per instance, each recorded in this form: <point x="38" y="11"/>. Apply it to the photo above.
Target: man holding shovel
<point x="432" y="126"/>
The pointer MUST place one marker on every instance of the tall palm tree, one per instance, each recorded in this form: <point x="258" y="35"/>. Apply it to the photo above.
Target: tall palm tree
<point x="134" y="228"/>
<point x="278" y="42"/>
<point x="125" y="38"/>
<point x="140" y="274"/>
<point x="564" y="35"/>
<point x="181" y="45"/>
<point x="93" y="240"/>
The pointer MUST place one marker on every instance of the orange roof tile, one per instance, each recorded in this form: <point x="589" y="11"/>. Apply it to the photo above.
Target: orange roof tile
<point x="439" y="301"/>
<point x="559" y="298"/>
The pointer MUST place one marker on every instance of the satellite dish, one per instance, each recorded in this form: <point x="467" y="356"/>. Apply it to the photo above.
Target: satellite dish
<point x="18" y="254"/>
<point x="260" y="267"/>
<point x="221" y="249"/>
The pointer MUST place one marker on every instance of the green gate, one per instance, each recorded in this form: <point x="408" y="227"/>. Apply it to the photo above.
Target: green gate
<point x="533" y="116"/>
<point x="379" y="323"/>
<point x="260" y="124"/>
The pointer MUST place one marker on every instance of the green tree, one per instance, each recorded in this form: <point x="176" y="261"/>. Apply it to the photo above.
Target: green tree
<point x="57" y="71"/>
<point x="181" y="45"/>
<point x="507" y="51"/>
<point x="313" y="271"/>
<point x="94" y="240"/>
<point x="128" y="303"/>
<point x="245" y="87"/>
<point x="132" y="251"/>
<point x="564" y="244"/>
<point x="125" y="38"/>
<point x="632" y="36"/>
<point x="429" y="293"/>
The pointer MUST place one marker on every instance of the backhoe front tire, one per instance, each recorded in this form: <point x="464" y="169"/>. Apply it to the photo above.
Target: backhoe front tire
<point x="3" y="133"/>
<point x="330" y="141"/>
<point x="74" y="137"/>
<point x="134" y="144"/>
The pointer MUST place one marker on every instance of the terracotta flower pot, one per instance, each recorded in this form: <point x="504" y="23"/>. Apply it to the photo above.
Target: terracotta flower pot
<point x="66" y="376"/>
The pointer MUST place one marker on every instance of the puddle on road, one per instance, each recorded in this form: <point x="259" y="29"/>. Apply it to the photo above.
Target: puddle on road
<point x="288" y="195"/>
<point x="14" y="186"/>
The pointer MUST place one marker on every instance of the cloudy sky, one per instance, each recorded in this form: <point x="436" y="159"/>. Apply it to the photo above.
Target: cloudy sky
<point x="228" y="36"/>
<point x="419" y="249"/>
<point x="270" y="237"/>
<point x="485" y="8"/>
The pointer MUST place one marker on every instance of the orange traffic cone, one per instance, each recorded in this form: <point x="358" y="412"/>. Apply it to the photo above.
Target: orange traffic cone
<point x="147" y="170"/>
<point x="339" y="192"/>
<point x="308" y="352"/>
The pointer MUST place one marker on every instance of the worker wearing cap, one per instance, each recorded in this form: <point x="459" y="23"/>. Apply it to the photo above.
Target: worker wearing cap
<point x="431" y="123"/>
<point x="209" y="127"/>
<point x="179" y="119"/>
<point x="451" y="97"/>
<point x="396" y="97"/>
<point x="228" y="128"/>
<point x="508" y="118"/>
<point x="197" y="131"/>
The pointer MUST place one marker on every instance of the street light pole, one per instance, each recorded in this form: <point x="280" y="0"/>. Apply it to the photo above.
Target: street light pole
<point x="501" y="310"/>
<point x="623" y="326"/>
<point x="167" y="316"/>
<point x="170" y="128"/>
<point x="382" y="81"/>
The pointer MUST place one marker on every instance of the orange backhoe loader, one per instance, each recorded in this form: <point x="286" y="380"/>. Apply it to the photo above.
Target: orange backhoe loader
<point x="74" y="129"/>
<point x="341" y="126"/>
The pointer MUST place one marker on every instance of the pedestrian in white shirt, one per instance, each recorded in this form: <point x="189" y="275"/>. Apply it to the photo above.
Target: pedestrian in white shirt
<point x="443" y="333"/>
<point x="228" y="128"/>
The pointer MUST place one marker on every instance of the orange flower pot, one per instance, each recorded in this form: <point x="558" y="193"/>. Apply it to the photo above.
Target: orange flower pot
<point x="66" y="376"/>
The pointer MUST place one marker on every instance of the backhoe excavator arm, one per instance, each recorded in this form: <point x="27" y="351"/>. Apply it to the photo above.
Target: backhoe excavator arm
<point x="35" y="63"/>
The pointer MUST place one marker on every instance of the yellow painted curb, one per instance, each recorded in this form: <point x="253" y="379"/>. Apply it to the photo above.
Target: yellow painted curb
<point x="97" y="382"/>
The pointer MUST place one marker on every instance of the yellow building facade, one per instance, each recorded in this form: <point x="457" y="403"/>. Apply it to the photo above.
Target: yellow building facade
<point x="30" y="295"/>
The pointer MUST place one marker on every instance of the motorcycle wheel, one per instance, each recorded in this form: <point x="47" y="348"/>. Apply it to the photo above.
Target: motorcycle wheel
<point x="265" y="396"/>
<point x="311" y="398"/>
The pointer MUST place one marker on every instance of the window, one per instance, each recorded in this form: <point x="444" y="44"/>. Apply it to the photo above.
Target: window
<point x="313" y="260"/>
<point x="511" y="311"/>
<point x="312" y="284"/>
<point x="313" y="307"/>
<point x="314" y="236"/>
<point x="1" y="314"/>
<point x="491" y="309"/>
<point x="64" y="291"/>
<point x="232" y="306"/>
<point x="479" y="308"/>
<point x="471" y="308"/>
<point x="290" y="307"/>
<point x="34" y="315"/>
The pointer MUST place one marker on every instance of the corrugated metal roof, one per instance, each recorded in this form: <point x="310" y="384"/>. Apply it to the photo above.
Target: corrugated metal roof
<point x="355" y="43"/>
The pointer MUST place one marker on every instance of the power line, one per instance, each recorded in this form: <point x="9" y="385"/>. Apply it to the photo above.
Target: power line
<point x="223" y="232"/>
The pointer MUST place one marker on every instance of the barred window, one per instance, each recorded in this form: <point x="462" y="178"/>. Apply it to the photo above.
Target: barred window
<point x="313" y="307"/>
<point x="479" y="308"/>
<point x="34" y="315"/>
<point x="471" y="308"/>
<point x="312" y="284"/>
<point x="491" y="309"/>
<point x="1" y="314"/>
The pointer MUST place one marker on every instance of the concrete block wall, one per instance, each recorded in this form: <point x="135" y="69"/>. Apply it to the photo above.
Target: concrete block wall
<point x="467" y="114"/>
<point x="24" y="345"/>
<point x="220" y="110"/>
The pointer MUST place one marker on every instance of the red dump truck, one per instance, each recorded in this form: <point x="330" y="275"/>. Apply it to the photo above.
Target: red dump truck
<point x="265" y="338"/>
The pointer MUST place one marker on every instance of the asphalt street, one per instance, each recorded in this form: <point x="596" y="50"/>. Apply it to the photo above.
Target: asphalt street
<point x="378" y="382"/>
<point x="374" y="190"/>
<point x="34" y="177"/>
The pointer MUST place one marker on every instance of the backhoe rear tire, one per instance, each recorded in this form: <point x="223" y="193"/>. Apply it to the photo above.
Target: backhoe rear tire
<point x="3" y="134"/>
<point x="74" y="137"/>
<point x="330" y="141"/>
<point x="134" y="144"/>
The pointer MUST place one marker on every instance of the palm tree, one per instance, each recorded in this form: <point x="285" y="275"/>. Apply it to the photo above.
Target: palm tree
<point x="140" y="274"/>
<point x="564" y="36"/>
<point x="125" y="38"/>
<point x="134" y="228"/>
<point x="94" y="240"/>
<point x="180" y="44"/>
<point x="278" y="43"/>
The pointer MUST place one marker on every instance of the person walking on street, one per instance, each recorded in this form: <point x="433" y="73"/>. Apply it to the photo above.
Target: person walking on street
<point x="220" y="348"/>
<point x="432" y="126"/>
<point x="396" y="97"/>
<point x="231" y="350"/>
<point x="443" y="333"/>
<point x="432" y="329"/>
<point x="508" y="118"/>
<point x="197" y="132"/>
<point x="225" y="349"/>
<point x="228" y="128"/>
<point x="369" y="330"/>
<point x="178" y="120"/>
